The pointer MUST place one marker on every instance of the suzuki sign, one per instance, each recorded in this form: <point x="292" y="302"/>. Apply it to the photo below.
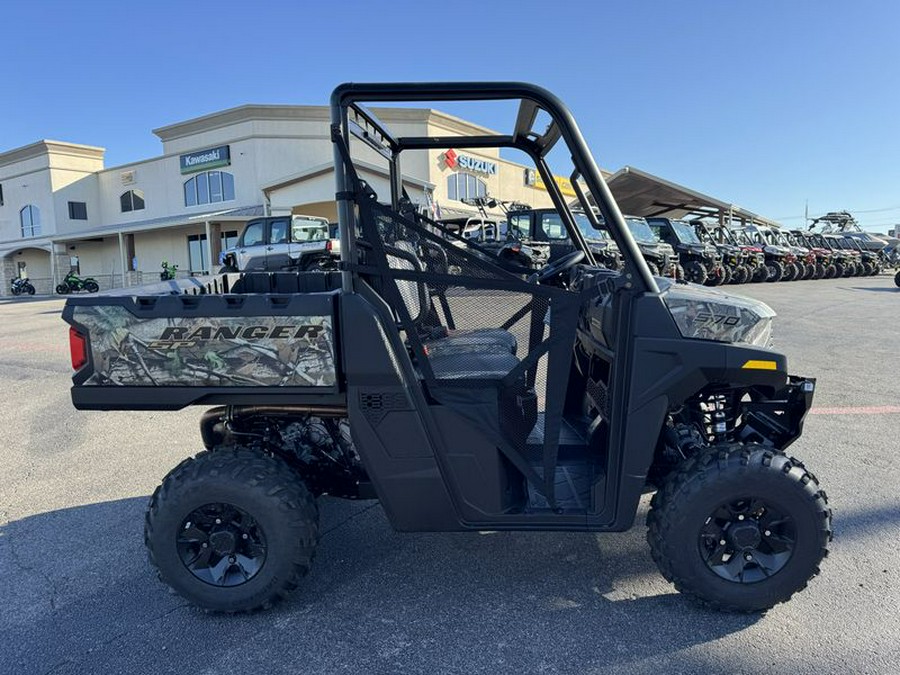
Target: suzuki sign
<point x="454" y="161"/>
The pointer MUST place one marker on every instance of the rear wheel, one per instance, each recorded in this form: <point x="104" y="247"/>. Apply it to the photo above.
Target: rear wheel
<point x="897" y="279"/>
<point x="740" y="527"/>
<point x="838" y="270"/>
<point x="654" y="270"/>
<point x="228" y="269"/>
<point x="232" y="530"/>
<point x="679" y="272"/>
<point x="741" y="275"/>
<point x="761" y="273"/>
<point x="695" y="272"/>
<point x="790" y="272"/>
<point x="776" y="270"/>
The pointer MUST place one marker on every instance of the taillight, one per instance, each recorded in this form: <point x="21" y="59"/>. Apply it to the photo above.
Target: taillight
<point x="77" y="348"/>
<point x="328" y="244"/>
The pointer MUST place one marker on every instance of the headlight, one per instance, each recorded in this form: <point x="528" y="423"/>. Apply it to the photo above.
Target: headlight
<point x="704" y="314"/>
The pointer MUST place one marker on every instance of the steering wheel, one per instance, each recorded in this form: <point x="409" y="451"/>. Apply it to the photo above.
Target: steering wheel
<point x="567" y="262"/>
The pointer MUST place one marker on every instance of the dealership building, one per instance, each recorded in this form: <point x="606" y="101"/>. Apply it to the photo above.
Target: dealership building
<point x="61" y="209"/>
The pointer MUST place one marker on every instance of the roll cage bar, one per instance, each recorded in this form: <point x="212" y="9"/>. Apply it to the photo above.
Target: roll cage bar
<point x="350" y="117"/>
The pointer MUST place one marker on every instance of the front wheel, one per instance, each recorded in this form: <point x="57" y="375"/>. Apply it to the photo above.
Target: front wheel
<point x="654" y="269"/>
<point x="695" y="272"/>
<point x="232" y="530"/>
<point x="897" y="279"/>
<point x="228" y="269"/>
<point x="62" y="289"/>
<point x="91" y="286"/>
<point x="29" y="289"/>
<point x="776" y="270"/>
<point x="740" y="527"/>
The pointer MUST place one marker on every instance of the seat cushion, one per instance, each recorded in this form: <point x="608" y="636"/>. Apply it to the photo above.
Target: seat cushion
<point x="476" y="340"/>
<point x="472" y="365"/>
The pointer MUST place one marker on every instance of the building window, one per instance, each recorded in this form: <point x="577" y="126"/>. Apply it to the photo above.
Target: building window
<point x="197" y="252"/>
<point x="30" y="218"/>
<point x="132" y="200"/>
<point x="209" y="187"/>
<point x="229" y="239"/>
<point x="77" y="211"/>
<point x="461" y="186"/>
<point x="1" y="194"/>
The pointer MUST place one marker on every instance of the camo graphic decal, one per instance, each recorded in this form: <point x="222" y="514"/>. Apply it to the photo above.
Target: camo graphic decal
<point x="262" y="351"/>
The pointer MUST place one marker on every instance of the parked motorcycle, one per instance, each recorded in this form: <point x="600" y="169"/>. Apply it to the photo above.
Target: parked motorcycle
<point x="168" y="271"/>
<point x="73" y="283"/>
<point x="20" y="286"/>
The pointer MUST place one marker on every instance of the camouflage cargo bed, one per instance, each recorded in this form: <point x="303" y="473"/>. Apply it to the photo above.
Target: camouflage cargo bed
<point x="215" y="340"/>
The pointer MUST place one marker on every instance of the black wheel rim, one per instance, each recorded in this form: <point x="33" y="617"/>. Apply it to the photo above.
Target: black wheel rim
<point x="221" y="545"/>
<point x="747" y="540"/>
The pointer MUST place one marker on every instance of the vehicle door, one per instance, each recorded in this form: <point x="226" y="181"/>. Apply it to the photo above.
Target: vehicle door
<point x="251" y="254"/>
<point x="550" y="229"/>
<point x="278" y="247"/>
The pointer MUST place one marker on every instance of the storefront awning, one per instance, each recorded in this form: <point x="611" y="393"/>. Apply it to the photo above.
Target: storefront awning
<point x="239" y="214"/>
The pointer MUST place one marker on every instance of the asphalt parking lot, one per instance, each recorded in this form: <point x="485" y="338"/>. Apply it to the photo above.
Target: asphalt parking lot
<point x="78" y="594"/>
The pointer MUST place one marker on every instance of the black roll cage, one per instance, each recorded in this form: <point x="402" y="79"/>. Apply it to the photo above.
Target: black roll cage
<point x="350" y="117"/>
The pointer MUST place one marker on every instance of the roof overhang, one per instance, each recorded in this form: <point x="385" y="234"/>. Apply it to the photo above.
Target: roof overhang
<point x="642" y="194"/>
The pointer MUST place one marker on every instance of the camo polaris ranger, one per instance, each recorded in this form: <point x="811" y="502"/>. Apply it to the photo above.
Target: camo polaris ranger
<point x="459" y="394"/>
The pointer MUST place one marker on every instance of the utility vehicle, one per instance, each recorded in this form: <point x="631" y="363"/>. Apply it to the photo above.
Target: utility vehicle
<point x="543" y="229"/>
<point x="702" y="263"/>
<point x="279" y="243"/>
<point x="824" y="265"/>
<point x="779" y="259"/>
<point x="660" y="256"/>
<point x="470" y="399"/>
<point x="735" y="260"/>
<point x="757" y="256"/>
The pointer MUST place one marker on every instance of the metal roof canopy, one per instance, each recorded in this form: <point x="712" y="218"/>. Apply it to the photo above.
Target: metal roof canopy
<point x="639" y="193"/>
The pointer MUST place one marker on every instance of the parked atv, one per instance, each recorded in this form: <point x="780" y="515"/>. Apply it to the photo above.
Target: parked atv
<point x="841" y="259"/>
<point x="660" y="256"/>
<point x="471" y="401"/>
<point x="853" y="265"/>
<point x="779" y="259"/>
<point x="870" y="260"/>
<point x="543" y="233"/>
<point x="21" y="285"/>
<point x="702" y="263"/>
<point x="735" y="260"/>
<point x="73" y="284"/>
<point x="756" y="260"/>
<point x="824" y="258"/>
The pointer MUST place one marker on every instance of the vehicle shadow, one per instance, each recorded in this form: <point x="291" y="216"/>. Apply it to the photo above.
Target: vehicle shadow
<point x="877" y="289"/>
<point x="80" y="596"/>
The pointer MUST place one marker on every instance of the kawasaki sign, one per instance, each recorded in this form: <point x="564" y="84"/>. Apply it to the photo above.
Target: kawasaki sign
<point x="455" y="160"/>
<point x="205" y="159"/>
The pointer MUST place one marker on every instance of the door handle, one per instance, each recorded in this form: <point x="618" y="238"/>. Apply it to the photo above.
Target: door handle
<point x="268" y="248"/>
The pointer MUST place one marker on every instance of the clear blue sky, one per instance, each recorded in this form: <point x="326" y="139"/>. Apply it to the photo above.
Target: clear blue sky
<point x="765" y="104"/>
